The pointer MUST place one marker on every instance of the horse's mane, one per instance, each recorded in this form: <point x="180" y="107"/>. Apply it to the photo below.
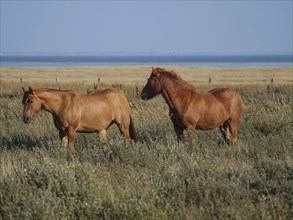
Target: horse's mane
<point x="174" y="76"/>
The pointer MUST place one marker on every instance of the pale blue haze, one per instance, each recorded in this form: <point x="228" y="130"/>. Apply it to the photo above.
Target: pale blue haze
<point x="146" y="27"/>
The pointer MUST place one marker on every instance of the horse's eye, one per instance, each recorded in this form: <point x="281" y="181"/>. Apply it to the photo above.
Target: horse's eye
<point x="30" y="101"/>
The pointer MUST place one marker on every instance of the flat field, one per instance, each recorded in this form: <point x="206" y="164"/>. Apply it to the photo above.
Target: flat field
<point x="155" y="178"/>
<point x="139" y="74"/>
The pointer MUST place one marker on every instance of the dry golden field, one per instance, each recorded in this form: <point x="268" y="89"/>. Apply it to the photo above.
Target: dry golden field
<point x="139" y="74"/>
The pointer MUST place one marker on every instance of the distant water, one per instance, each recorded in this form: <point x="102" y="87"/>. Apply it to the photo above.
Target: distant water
<point x="154" y="60"/>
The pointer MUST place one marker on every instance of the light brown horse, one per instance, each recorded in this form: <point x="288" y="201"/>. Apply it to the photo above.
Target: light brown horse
<point x="220" y="107"/>
<point x="73" y="112"/>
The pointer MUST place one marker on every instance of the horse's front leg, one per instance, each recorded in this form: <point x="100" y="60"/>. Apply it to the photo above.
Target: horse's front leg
<point x="71" y="137"/>
<point x="191" y="131"/>
<point x="179" y="133"/>
<point x="63" y="138"/>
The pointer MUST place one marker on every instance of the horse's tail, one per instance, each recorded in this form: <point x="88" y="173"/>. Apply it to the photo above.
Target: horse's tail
<point x="132" y="131"/>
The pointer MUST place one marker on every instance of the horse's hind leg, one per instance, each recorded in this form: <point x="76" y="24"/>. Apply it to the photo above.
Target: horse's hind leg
<point x="224" y="128"/>
<point x="124" y="129"/>
<point x="103" y="136"/>
<point x="123" y="123"/>
<point x="233" y="130"/>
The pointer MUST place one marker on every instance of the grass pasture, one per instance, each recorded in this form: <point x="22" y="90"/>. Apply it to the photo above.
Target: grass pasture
<point x="155" y="178"/>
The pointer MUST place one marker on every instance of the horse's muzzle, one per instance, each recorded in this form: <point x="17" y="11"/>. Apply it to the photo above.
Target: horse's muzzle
<point x="144" y="97"/>
<point x="27" y="119"/>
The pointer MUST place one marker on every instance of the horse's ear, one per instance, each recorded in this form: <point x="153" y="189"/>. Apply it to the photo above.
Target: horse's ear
<point x="23" y="89"/>
<point x="159" y="69"/>
<point x="31" y="90"/>
<point x="153" y="69"/>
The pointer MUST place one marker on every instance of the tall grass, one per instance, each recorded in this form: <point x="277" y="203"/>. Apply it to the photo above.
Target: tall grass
<point x="155" y="178"/>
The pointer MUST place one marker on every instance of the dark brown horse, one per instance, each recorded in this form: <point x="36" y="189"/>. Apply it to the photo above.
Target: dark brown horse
<point x="73" y="112"/>
<point x="220" y="107"/>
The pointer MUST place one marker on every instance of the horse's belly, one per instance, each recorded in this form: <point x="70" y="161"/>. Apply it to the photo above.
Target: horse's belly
<point x="206" y="126"/>
<point x="86" y="130"/>
<point x="94" y="123"/>
<point x="210" y="123"/>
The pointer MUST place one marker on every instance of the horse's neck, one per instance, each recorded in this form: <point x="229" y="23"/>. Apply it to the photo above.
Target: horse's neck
<point x="173" y="93"/>
<point x="51" y="101"/>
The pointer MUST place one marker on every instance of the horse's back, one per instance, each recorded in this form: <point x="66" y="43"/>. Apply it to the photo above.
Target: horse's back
<point x="106" y="93"/>
<point x="112" y="97"/>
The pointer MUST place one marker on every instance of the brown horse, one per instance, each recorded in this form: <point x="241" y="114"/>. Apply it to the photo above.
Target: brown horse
<point x="73" y="112"/>
<point x="220" y="107"/>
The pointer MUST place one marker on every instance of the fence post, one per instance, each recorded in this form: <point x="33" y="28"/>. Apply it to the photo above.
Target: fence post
<point x="98" y="86"/>
<point x="272" y="88"/>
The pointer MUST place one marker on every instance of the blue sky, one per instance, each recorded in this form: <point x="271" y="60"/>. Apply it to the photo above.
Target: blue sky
<point x="138" y="27"/>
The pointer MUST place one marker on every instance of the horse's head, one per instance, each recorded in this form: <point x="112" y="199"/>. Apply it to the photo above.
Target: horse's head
<point x="31" y="105"/>
<point x="153" y="86"/>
